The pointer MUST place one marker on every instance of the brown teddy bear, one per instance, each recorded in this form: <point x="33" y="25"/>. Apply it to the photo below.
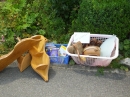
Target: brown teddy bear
<point x="93" y="48"/>
<point x="76" y="48"/>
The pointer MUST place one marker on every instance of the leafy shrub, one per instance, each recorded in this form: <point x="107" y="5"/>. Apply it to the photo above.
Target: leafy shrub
<point x="15" y="17"/>
<point x="51" y="18"/>
<point x="64" y="9"/>
<point x="58" y="16"/>
<point x="103" y="17"/>
<point x="125" y="48"/>
<point x="58" y="19"/>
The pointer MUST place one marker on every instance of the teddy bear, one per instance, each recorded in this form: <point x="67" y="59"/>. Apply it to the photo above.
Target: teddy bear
<point x="76" y="48"/>
<point x="93" y="48"/>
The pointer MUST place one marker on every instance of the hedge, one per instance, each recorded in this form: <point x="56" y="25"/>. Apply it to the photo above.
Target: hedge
<point x="103" y="17"/>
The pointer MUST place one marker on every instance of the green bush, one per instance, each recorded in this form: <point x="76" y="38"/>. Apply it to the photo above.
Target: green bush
<point x="51" y="18"/>
<point x="58" y="19"/>
<point x="125" y="48"/>
<point x="103" y="17"/>
<point x="64" y="9"/>
<point x="60" y="14"/>
<point x="16" y="17"/>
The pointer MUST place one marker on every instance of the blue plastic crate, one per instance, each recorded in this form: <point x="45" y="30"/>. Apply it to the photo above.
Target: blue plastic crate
<point x="59" y="59"/>
<point x="58" y="45"/>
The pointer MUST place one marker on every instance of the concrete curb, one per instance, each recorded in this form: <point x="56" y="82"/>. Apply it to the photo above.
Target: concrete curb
<point x="89" y="69"/>
<point x="86" y="68"/>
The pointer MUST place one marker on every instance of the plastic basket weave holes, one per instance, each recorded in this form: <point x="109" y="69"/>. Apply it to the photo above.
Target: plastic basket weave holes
<point x="89" y="61"/>
<point x="99" y="38"/>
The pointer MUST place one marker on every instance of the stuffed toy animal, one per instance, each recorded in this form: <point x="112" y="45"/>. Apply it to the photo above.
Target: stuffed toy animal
<point x="93" y="42"/>
<point x="93" y="48"/>
<point x="92" y="51"/>
<point x="76" y="48"/>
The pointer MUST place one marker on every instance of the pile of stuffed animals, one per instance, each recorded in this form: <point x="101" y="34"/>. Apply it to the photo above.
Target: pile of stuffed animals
<point x="90" y="49"/>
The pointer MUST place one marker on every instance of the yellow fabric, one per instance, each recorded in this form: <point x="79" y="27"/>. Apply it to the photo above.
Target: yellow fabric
<point x="37" y="56"/>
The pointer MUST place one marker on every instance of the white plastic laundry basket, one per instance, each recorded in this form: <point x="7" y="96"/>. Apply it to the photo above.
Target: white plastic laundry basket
<point x="95" y="60"/>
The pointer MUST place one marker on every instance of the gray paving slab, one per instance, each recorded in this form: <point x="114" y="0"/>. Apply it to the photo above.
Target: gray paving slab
<point x="74" y="81"/>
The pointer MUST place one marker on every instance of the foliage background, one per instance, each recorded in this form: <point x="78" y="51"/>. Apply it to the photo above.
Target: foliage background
<point x="59" y="19"/>
<point x="51" y="18"/>
<point x="104" y="17"/>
